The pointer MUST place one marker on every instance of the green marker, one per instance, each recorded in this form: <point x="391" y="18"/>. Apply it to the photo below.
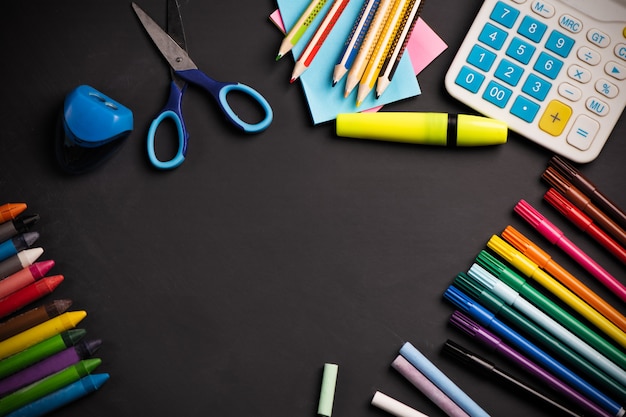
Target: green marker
<point x="47" y="385"/>
<point x="497" y="306"/>
<point x="439" y="129"/>
<point x="40" y="351"/>
<point x="519" y="284"/>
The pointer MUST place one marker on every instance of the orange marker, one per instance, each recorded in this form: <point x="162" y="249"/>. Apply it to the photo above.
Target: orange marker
<point x="10" y="211"/>
<point x="545" y="262"/>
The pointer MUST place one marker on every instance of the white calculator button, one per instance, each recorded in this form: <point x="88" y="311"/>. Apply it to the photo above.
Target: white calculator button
<point x="570" y="23"/>
<point x="568" y="91"/>
<point x="606" y="88"/>
<point x="542" y="8"/>
<point x="583" y="132"/>
<point x="620" y="51"/>
<point x="615" y="70"/>
<point x="588" y="55"/>
<point x="598" y="38"/>
<point x="519" y="1"/>
<point x="597" y="106"/>
<point x="578" y="73"/>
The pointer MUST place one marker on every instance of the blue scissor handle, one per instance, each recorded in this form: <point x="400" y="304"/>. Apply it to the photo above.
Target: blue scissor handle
<point x="220" y="91"/>
<point x="171" y="110"/>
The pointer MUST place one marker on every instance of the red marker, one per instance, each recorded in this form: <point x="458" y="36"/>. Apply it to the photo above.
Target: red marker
<point x="24" y="277"/>
<point x="28" y="294"/>
<point x="10" y="211"/>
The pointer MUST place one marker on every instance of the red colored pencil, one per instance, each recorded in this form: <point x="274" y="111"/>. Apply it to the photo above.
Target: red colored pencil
<point x="28" y="294"/>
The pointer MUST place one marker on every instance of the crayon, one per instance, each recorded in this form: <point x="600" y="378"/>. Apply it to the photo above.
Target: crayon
<point x="21" y="224"/>
<point x="28" y="294"/>
<point x="40" y="332"/>
<point x="19" y="261"/>
<point x="24" y="277"/>
<point x="10" y="211"/>
<point x="33" y="317"/>
<point x="16" y="244"/>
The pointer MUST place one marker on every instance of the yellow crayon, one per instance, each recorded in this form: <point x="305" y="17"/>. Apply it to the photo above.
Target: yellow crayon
<point x="40" y="332"/>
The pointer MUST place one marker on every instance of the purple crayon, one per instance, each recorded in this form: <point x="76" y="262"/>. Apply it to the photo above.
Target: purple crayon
<point x="492" y="341"/>
<point x="52" y="364"/>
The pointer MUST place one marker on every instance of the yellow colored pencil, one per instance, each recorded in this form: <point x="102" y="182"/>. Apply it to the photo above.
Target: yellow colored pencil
<point x="380" y="51"/>
<point x="367" y="47"/>
<point x="38" y="333"/>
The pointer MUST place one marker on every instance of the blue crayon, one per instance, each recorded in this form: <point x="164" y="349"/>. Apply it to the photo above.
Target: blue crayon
<point x="62" y="397"/>
<point x="17" y="244"/>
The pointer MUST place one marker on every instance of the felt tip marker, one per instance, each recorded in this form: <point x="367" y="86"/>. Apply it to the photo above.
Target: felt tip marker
<point x="62" y="397"/>
<point x="21" y="224"/>
<point x="545" y="262"/>
<point x="10" y="211"/>
<point x="492" y="341"/>
<point x="579" y="180"/>
<point x="24" y="277"/>
<point x="513" y="280"/>
<point x="488" y="320"/>
<point x="527" y="267"/>
<point x="464" y="355"/>
<point x="439" y="129"/>
<point x="19" y="261"/>
<point x="16" y="244"/>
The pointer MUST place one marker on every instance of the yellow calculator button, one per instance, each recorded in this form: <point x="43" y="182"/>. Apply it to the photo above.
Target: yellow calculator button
<point x="555" y="118"/>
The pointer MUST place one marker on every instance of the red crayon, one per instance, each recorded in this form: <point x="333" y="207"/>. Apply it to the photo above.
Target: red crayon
<point x="28" y="294"/>
<point x="24" y="277"/>
<point x="10" y="211"/>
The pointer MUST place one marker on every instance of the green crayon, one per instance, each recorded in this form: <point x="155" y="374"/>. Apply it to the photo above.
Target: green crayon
<point x="47" y="385"/>
<point x="40" y="351"/>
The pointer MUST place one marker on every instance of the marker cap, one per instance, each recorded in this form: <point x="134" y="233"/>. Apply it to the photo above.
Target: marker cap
<point x="423" y="128"/>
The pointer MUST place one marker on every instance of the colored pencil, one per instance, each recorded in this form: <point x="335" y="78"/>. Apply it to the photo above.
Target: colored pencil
<point x="301" y="26"/>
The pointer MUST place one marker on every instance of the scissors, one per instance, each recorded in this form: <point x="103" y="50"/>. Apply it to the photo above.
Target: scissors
<point x="183" y="71"/>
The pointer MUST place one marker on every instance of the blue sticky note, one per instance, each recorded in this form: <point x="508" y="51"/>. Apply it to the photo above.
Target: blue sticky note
<point x="325" y="101"/>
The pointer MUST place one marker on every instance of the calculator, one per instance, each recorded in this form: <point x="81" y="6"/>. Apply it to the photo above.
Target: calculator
<point x="554" y="70"/>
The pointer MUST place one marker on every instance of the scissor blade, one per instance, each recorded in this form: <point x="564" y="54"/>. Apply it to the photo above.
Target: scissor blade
<point x="175" y="24"/>
<point x="175" y="55"/>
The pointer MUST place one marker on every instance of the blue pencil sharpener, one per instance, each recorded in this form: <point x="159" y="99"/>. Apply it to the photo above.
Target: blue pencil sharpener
<point x="92" y="128"/>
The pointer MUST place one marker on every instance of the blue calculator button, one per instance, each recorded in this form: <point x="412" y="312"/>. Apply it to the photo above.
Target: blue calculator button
<point x="532" y="29"/>
<point x="559" y="44"/>
<point x="497" y="94"/>
<point x="504" y="14"/>
<point x="492" y="36"/>
<point x="536" y="87"/>
<point x="481" y="58"/>
<point x="520" y="50"/>
<point x="470" y="79"/>
<point x="509" y="72"/>
<point x="548" y="65"/>
<point x="525" y="109"/>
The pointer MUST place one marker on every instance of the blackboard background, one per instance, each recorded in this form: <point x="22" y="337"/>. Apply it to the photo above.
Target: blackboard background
<point x="222" y="287"/>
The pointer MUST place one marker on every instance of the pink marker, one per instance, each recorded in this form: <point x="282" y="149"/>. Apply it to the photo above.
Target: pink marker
<point x="557" y="237"/>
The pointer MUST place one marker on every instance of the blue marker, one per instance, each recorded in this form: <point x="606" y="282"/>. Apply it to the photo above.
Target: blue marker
<point x="64" y="396"/>
<point x="488" y="320"/>
<point x="17" y="244"/>
<point x="430" y="371"/>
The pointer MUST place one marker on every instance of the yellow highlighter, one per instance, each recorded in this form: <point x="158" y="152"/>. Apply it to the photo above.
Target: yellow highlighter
<point x="40" y="332"/>
<point x="440" y="129"/>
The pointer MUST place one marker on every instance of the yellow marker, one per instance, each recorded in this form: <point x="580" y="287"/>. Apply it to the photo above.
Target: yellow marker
<point x="423" y="128"/>
<point x="38" y="333"/>
<point x="532" y="270"/>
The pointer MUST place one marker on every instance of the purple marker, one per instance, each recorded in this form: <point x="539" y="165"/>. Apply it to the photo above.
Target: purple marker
<point x="487" y="338"/>
<point x="49" y="366"/>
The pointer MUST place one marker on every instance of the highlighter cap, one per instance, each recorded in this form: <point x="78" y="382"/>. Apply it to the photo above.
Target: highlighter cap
<point x="438" y="129"/>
